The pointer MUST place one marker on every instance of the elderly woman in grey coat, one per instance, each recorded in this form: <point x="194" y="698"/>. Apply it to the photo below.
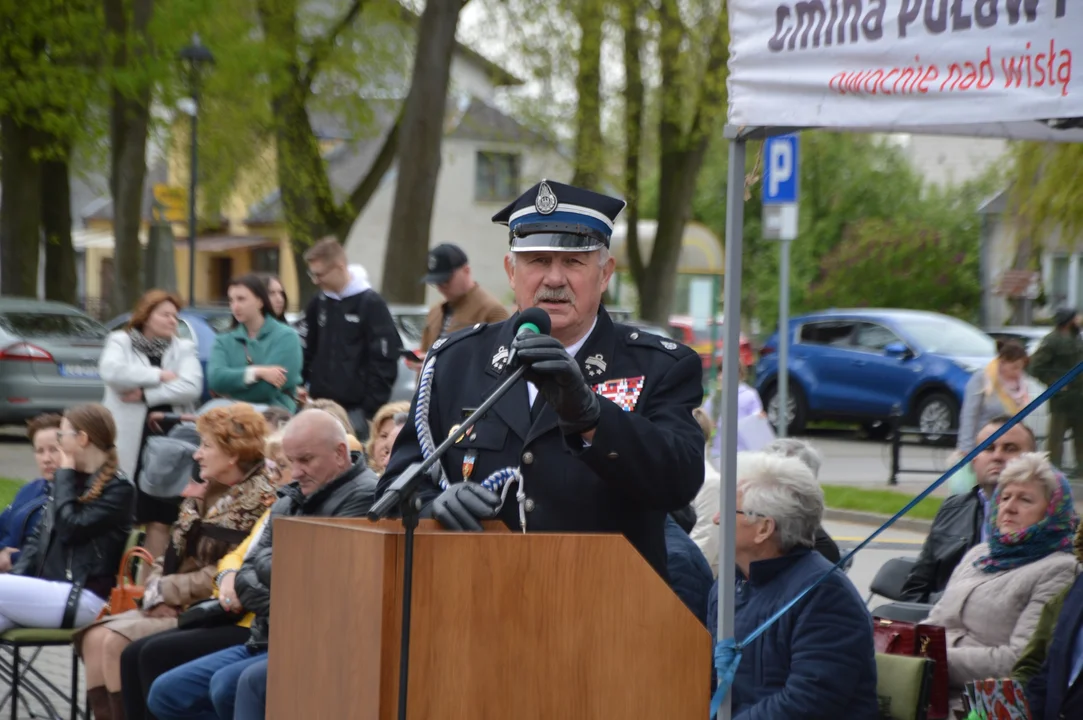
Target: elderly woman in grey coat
<point x="992" y="603"/>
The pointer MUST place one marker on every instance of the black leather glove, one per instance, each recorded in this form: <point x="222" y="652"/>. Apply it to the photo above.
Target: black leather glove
<point x="463" y="504"/>
<point x="559" y="380"/>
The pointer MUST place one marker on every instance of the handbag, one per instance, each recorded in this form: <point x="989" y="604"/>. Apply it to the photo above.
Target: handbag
<point x="206" y="614"/>
<point x="126" y="595"/>
<point x="928" y="641"/>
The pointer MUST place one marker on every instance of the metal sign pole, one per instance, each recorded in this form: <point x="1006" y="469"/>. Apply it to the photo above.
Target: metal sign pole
<point x="780" y="198"/>
<point x="784" y="339"/>
<point x="731" y="349"/>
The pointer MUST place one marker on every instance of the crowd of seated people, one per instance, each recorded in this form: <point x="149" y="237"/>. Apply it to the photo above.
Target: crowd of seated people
<point x="998" y="568"/>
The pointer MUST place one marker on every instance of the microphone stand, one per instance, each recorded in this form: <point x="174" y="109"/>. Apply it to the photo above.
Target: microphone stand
<point x="404" y="494"/>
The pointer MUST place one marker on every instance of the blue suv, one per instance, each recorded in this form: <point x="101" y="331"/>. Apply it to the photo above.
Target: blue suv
<point x="856" y="365"/>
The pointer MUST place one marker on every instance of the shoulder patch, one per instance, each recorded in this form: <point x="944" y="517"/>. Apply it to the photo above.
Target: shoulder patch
<point x="448" y="340"/>
<point x="641" y="338"/>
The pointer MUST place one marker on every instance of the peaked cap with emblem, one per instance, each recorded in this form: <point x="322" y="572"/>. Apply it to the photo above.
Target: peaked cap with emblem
<point x="552" y="216"/>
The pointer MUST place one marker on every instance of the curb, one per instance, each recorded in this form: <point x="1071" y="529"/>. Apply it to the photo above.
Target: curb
<point x="867" y="518"/>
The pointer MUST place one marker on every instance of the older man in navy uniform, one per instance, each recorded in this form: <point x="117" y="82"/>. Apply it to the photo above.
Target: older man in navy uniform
<point x="601" y="438"/>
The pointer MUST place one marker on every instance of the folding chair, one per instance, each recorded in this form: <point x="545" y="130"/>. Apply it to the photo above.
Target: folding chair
<point x="24" y="677"/>
<point x="902" y="686"/>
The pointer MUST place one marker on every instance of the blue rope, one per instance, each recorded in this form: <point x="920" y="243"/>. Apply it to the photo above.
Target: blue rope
<point x="495" y="482"/>
<point x="728" y="652"/>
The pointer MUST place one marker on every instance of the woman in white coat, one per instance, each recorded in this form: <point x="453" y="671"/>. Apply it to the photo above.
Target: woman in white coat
<point x="147" y="368"/>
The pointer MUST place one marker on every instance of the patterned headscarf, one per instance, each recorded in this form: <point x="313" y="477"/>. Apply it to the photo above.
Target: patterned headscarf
<point x="1053" y="533"/>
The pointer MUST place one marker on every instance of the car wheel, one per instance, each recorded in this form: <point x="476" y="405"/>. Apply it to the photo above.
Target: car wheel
<point x="936" y="414"/>
<point x="797" y="408"/>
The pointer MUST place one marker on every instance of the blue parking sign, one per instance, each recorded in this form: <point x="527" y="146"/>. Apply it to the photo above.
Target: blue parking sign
<point x="780" y="170"/>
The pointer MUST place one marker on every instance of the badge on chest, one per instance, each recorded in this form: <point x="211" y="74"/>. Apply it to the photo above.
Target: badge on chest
<point x="624" y="392"/>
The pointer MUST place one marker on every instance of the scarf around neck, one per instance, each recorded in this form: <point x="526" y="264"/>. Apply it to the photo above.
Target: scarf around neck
<point x="1013" y="399"/>
<point x="1053" y="533"/>
<point x="153" y="349"/>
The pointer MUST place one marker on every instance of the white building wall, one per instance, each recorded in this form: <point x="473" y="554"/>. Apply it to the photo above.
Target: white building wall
<point x="457" y="217"/>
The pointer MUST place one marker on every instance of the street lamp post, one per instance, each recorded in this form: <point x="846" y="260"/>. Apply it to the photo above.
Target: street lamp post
<point x="194" y="56"/>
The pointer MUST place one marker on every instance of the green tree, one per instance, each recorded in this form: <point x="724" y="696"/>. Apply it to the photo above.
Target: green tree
<point x="1046" y="181"/>
<point x="46" y="81"/>
<point x="906" y="263"/>
<point x="693" y="98"/>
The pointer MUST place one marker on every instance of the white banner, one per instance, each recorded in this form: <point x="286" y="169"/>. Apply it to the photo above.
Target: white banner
<point x="903" y="63"/>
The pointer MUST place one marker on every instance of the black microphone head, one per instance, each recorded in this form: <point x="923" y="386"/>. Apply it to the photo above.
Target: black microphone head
<point x="537" y="320"/>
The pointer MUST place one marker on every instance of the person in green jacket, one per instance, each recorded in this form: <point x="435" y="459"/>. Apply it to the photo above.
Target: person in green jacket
<point x="1060" y="351"/>
<point x="1030" y="662"/>
<point x="259" y="360"/>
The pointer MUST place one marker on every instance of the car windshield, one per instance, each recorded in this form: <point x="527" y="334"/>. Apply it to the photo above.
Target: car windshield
<point x="44" y="324"/>
<point x="948" y="336"/>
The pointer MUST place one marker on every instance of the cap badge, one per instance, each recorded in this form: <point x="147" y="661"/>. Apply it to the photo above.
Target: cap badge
<point x="546" y="201"/>
<point x="432" y="262"/>
<point x="595" y="365"/>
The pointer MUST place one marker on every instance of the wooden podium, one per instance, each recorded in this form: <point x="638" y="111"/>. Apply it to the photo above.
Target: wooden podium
<point x="505" y="626"/>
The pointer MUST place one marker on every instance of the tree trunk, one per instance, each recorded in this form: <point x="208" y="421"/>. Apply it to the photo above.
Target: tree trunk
<point x="419" y="153"/>
<point x="682" y="152"/>
<point x="60" y="281"/>
<point x="589" y="154"/>
<point x="20" y="208"/>
<point x="129" y="123"/>
<point x="633" y="134"/>
<point x="308" y="204"/>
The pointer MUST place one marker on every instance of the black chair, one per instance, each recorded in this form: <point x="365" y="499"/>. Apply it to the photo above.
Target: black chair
<point x="890" y="578"/>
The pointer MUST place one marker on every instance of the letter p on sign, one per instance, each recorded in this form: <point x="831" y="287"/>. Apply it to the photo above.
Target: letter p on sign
<point x="780" y="177"/>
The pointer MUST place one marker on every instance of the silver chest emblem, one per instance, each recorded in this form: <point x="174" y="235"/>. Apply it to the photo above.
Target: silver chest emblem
<point x="595" y="365"/>
<point x="500" y="359"/>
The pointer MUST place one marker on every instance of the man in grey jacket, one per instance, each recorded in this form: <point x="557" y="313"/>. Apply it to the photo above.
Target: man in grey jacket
<point x="326" y="483"/>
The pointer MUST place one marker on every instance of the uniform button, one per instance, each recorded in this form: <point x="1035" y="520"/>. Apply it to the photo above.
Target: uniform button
<point x="528" y="457"/>
<point x="529" y="505"/>
<point x="612" y="456"/>
<point x="634" y="336"/>
<point x="473" y="437"/>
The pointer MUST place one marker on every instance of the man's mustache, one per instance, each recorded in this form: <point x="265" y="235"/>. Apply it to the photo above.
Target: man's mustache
<point x="561" y="294"/>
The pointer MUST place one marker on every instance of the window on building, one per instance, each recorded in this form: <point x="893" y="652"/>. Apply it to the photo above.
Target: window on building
<point x="1059" y="287"/>
<point x="265" y="261"/>
<point x="496" y="177"/>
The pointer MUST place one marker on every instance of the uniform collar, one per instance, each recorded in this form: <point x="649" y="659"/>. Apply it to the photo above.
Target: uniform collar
<point x="594" y="355"/>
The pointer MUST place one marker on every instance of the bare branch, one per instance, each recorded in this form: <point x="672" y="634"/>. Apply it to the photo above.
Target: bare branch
<point x="370" y="183"/>
<point x="323" y="46"/>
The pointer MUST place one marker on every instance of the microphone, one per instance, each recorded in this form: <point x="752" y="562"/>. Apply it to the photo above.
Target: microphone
<point x="403" y="489"/>
<point x="532" y="321"/>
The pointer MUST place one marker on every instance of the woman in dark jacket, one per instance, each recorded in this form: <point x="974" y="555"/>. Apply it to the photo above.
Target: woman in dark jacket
<point x="1056" y="690"/>
<point x="67" y="569"/>
<point x="19" y="521"/>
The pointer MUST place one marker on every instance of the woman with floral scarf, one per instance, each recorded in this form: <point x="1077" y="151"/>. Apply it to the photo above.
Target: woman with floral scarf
<point x="147" y="368"/>
<point x="995" y="597"/>
<point x="238" y="489"/>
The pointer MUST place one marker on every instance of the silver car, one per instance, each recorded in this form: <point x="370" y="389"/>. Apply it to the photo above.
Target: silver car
<point x="48" y="358"/>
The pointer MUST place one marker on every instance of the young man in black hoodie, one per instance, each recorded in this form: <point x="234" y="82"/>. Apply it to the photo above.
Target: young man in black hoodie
<point x="352" y="346"/>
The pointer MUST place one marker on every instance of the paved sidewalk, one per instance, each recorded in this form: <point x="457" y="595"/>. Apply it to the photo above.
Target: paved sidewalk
<point x="55" y="664"/>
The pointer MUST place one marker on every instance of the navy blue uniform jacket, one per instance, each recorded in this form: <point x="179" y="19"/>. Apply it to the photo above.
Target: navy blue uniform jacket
<point x="642" y="463"/>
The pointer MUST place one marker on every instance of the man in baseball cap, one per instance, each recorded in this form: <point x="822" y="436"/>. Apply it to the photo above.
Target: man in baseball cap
<point x="466" y="303"/>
